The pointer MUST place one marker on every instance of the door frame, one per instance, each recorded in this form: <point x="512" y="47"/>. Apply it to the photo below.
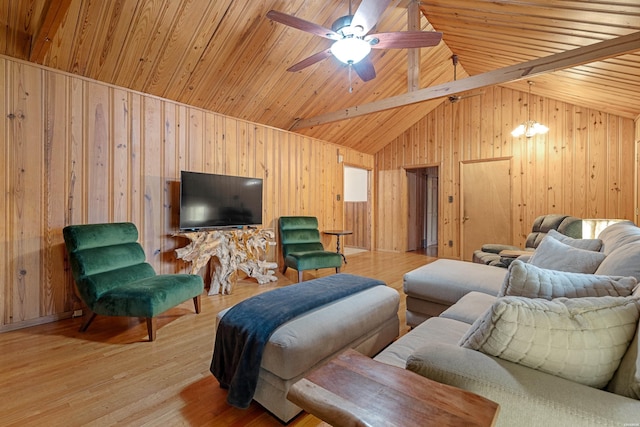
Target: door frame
<point x="415" y="168"/>
<point x="636" y="206"/>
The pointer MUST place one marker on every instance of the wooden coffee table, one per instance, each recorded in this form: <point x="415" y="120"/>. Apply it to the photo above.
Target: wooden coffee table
<point x="354" y="390"/>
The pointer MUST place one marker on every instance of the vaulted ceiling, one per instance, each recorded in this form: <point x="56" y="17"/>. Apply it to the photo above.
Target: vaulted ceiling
<point x="226" y="56"/>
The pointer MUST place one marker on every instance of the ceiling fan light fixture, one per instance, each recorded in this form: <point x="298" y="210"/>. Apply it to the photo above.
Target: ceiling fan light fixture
<point x="350" y="50"/>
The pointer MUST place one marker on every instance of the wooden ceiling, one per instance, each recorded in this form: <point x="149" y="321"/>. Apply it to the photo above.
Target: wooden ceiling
<point x="226" y="56"/>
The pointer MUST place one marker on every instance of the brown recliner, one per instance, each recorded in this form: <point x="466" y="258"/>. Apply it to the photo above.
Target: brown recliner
<point x="568" y="225"/>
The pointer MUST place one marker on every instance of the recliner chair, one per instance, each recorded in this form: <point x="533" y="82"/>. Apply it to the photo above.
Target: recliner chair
<point x="113" y="279"/>
<point x="301" y="246"/>
<point x="568" y="225"/>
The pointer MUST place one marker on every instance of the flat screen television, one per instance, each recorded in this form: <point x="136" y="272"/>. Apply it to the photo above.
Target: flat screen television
<point x="219" y="201"/>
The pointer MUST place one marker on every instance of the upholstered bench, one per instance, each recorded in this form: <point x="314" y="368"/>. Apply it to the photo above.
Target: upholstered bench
<point x="366" y="321"/>
<point x="434" y="287"/>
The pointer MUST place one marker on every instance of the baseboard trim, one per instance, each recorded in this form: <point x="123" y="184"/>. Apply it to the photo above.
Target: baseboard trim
<point x="37" y="321"/>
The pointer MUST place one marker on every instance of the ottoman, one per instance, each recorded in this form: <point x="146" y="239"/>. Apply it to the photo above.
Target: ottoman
<point x="366" y="321"/>
<point x="434" y="287"/>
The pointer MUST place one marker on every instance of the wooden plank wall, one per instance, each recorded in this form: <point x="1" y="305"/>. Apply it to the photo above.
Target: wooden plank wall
<point x="78" y="151"/>
<point x="357" y="216"/>
<point x="584" y="166"/>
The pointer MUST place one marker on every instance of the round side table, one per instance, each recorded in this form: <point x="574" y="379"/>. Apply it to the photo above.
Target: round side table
<point x="339" y="233"/>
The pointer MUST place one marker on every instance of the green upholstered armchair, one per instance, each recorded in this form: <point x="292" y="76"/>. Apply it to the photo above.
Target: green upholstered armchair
<point x="113" y="279"/>
<point x="302" y="248"/>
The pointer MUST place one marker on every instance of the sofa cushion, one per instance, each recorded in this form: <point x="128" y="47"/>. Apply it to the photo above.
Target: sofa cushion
<point x="555" y="255"/>
<point x="565" y="224"/>
<point x="433" y="330"/>
<point x="626" y="380"/>
<point x="470" y="307"/>
<point x="527" y="280"/>
<point x="624" y="261"/>
<point x="580" y="339"/>
<point x="526" y="397"/>
<point x="586" y="244"/>
<point x="617" y="235"/>
<point x="446" y="280"/>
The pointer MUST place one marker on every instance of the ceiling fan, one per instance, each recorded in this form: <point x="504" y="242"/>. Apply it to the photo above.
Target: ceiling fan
<point x="352" y="41"/>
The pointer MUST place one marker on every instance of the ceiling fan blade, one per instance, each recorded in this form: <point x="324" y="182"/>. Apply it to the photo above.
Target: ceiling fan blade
<point x="303" y="25"/>
<point x="405" y="39"/>
<point x="365" y="69"/>
<point x="310" y="60"/>
<point x="368" y="14"/>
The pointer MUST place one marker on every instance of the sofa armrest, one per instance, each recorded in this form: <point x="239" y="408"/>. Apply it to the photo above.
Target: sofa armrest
<point x="495" y="248"/>
<point x="525" y="258"/>
<point x="526" y="396"/>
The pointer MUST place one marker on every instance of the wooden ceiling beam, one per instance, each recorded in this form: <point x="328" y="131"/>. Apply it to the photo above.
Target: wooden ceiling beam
<point x="568" y="59"/>
<point x="413" y="55"/>
<point x="53" y="14"/>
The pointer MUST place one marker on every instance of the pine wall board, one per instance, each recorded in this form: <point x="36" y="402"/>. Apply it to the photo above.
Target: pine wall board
<point x="585" y="166"/>
<point x="77" y="151"/>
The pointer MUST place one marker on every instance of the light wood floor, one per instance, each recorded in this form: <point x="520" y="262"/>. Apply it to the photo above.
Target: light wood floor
<point x="54" y="375"/>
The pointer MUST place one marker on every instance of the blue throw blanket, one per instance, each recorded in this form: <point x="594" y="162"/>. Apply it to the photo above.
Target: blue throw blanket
<point x="245" y="329"/>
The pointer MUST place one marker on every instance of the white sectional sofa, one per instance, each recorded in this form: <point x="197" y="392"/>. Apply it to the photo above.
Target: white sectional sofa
<point x="446" y="299"/>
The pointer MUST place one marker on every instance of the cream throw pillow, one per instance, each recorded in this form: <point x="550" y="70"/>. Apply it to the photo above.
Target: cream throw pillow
<point x="555" y="255"/>
<point x="527" y="280"/>
<point x="586" y="244"/>
<point x="626" y="380"/>
<point x="580" y="339"/>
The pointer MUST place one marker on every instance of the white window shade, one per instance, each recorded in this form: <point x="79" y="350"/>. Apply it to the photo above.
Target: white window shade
<point x="355" y="184"/>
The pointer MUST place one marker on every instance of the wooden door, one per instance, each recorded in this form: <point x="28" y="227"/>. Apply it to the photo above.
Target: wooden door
<point x="486" y="204"/>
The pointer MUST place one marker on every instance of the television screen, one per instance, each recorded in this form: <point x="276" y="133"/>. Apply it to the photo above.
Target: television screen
<point x="217" y="201"/>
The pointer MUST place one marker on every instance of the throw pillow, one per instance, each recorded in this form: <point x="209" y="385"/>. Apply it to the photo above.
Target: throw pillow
<point x="579" y="339"/>
<point x="527" y="280"/>
<point x="555" y="255"/>
<point x="586" y="244"/>
<point x="626" y="380"/>
<point x="623" y="261"/>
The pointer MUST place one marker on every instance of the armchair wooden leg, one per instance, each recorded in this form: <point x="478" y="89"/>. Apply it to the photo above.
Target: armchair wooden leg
<point x="196" y="303"/>
<point x="299" y="276"/>
<point x="151" y="328"/>
<point x="90" y="316"/>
